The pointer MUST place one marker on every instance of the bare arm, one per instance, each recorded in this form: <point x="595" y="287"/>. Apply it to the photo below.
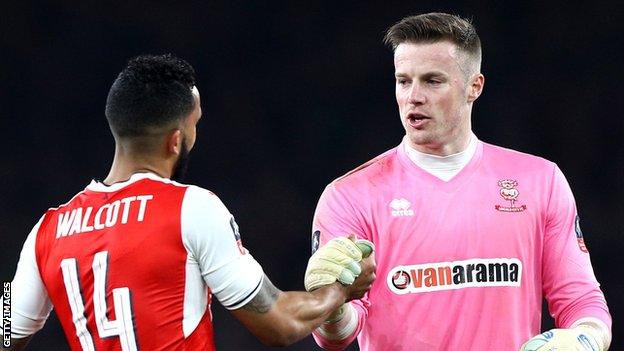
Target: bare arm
<point x="281" y="318"/>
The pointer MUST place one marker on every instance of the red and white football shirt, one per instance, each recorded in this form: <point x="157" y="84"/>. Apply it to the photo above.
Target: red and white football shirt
<point x="133" y="266"/>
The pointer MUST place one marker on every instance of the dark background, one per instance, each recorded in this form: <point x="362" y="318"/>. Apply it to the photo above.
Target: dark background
<point x="294" y="95"/>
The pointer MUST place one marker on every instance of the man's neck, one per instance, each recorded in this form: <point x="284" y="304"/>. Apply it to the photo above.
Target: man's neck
<point x="124" y="167"/>
<point x="443" y="167"/>
<point x="459" y="144"/>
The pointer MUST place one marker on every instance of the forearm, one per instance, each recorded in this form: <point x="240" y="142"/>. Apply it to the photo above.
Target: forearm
<point x="280" y="318"/>
<point x="302" y="312"/>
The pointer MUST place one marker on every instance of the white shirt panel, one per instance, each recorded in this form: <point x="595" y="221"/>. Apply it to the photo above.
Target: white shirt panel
<point x="208" y="234"/>
<point x="30" y="304"/>
<point x="195" y="297"/>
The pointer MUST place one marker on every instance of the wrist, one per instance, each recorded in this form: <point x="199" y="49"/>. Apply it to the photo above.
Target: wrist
<point x="340" y="290"/>
<point x="337" y="315"/>
<point x="331" y="296"/>
<point x="596" y="329"/>
<point x="341" y="327"/>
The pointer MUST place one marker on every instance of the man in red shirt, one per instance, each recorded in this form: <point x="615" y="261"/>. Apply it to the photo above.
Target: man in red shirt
<point x="132" y="262"/>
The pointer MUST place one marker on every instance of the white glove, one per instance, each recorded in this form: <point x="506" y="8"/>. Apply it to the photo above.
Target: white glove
<point x="580" y="338"/>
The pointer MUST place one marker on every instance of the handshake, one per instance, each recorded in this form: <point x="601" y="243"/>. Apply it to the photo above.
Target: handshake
<point x="342" y="259"/>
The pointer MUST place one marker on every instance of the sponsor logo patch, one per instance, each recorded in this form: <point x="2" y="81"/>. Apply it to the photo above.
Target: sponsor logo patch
<point x="509" y="192"/>
<point x="478" y="272"/>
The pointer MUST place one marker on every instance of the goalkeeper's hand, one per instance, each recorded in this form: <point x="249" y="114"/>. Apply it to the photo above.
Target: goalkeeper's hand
<point x="580" y="338"/>
<point x="317" y="276"/>
<point x="338" y="260"/>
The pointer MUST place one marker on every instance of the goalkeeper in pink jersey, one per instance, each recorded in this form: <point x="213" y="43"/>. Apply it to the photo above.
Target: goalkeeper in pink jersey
<point x="470" y="237"/>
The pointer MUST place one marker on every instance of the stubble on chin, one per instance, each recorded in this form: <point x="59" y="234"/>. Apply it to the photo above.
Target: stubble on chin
<point x="422" y="139"/>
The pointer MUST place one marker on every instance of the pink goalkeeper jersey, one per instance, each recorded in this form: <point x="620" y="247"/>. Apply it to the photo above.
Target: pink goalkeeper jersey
<point x="463" y="264"/>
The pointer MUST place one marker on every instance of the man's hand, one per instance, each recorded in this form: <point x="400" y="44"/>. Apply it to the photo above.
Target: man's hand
<point x="356" y="290"/>
<point x="338" y="260"/>
<point x="366" y="278"/>
<point x="280" y="318"/>
<point x="581" y="338"/>
<point x="326" y="257"/>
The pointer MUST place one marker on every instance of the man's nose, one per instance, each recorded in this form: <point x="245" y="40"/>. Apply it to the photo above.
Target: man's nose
<point x="416" y="95"/>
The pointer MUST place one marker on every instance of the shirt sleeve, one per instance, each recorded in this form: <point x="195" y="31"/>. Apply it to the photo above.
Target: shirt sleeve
<point x="210" y="235"/>
<point x="30" y="304"/>
<point x="335" y="216"/>
<point x="569" y="283"/>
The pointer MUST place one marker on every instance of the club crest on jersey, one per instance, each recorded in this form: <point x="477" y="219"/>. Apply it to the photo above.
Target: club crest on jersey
<point x="473" y="273"/>
<point x="509" y="192"/>
<point x="579" y="234"/>
<point x="401" y="208"/>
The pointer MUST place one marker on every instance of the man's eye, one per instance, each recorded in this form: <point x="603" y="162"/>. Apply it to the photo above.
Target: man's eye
<point x="434" y="81"/>
<point x="402" y="81"/>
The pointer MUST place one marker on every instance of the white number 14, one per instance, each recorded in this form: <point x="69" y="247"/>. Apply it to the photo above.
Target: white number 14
<point x="122" y="326"/>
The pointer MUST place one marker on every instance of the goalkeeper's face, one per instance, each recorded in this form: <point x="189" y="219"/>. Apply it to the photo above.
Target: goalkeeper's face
<point x="435" y="89"/>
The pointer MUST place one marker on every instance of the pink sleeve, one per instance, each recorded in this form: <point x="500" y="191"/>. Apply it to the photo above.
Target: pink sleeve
<point x="569" y="284"/>
<point x="337" y="216"/>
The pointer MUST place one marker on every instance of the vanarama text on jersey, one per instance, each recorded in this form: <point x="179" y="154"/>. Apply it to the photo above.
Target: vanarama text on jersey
<point x="478" y="272"/>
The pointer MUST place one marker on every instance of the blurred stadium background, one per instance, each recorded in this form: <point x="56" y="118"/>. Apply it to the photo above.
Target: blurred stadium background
<point x="294" y="95"/>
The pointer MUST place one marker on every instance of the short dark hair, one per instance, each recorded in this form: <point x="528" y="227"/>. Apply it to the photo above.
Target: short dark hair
<point x="434" y="27"/>
<point x="152" y="91"/>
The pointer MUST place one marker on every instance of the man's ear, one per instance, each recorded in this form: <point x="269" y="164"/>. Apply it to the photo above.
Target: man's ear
<point x="174" y="142"/>
<point x="476" y="87"/>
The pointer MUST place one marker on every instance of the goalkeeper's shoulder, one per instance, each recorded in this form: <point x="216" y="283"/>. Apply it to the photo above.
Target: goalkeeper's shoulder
<point x="367" y="173"/>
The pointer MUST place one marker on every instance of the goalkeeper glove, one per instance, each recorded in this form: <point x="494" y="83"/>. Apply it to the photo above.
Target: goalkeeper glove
<point x="338" y="260"/>
<point x="580" y="338"/>
<point x="337" y="317"/>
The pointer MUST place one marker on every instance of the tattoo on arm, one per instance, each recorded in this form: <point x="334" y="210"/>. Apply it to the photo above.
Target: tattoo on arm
<point x="265" y="298"/>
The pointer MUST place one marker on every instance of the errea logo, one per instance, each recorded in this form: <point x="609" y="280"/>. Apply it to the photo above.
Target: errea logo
<point x="400" y="208"/>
